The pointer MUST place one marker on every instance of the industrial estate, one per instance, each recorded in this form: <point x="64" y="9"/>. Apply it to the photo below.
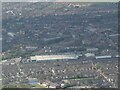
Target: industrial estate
<point x="61" y="45"/>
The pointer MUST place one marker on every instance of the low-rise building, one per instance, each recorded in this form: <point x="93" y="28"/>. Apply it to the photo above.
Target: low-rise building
<point x="52" y="57"/>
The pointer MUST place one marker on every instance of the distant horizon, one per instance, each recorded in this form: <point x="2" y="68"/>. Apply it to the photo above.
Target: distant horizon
<point x="60" y="1"/>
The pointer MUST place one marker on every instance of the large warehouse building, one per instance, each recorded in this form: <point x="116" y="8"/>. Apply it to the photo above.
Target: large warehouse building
<point x="52" y="57"/>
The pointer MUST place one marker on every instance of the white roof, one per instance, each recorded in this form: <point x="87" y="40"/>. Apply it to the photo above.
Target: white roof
<point x="98" y="57"/>
<point x="53" y="57"/>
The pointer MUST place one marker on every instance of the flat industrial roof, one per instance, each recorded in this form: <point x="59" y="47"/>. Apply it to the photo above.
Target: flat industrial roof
<point x="53" y="57"/>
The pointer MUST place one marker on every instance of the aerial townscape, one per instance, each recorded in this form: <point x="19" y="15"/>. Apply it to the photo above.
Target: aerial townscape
<point x="62" y="45"/>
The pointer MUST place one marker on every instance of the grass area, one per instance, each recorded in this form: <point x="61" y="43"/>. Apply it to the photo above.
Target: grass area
<point x="16" y="86"/>
<point x="39" y="86"/>
<point x="23" y="86"/>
